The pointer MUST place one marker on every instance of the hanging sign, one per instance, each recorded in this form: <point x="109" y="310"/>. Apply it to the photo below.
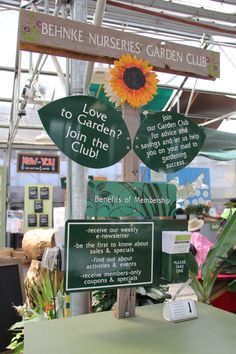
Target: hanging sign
<point x="34" y="163"/>
<point x="108" y="254"/>
<point x="134" y="199"/>
<point x="54" y="35"/>
<point x="168" y="141"/>
<point x="87" y="130"/>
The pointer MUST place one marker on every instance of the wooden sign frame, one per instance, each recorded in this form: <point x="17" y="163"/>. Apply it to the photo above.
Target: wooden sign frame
<point x="58" y="36"/>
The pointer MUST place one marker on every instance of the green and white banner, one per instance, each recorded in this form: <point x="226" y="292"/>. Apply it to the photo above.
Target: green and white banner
<point x="134" y="199"/>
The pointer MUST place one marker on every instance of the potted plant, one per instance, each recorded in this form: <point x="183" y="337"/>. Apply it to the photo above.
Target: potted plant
<point x="46" y="303"/>
<point x="197" y="209"/>
<point x="220" y="257"/>
<point x="104" y="300"/>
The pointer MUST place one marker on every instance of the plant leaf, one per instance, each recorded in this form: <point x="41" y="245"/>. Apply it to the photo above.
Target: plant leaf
<point x="232" y="286"/>
<point x="193" y="266"/>
<point x="213" y="262"/>
<point x="197" y="287"/>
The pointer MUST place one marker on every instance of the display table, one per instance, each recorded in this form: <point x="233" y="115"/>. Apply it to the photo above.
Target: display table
<point x="212" y="332"/>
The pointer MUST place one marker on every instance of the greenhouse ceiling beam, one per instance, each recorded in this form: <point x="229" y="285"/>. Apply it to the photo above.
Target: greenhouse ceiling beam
<point x="225" y="116"/>
<point x="26" y="71"/>
<point x="10" y="3"/>
<point x="176" y="95"/>
<point x="23" y="127"/>
<point x="193" y="11"/>
<point x="187" y="25"/>
<point x="28" y="146"/>
<point x="97" y="21"/>
<point x="34" y="74"/>
<point x="158" y="27"/>
<point x="230" y="2"/>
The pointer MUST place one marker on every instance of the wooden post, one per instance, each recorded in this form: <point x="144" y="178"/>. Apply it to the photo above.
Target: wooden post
<point x="126" y="297"/>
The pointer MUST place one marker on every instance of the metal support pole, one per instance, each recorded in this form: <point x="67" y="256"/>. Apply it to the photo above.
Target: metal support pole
<point x="98" y="16"/>
<point x="79" y="301"/>
<point x="178" y="92"/>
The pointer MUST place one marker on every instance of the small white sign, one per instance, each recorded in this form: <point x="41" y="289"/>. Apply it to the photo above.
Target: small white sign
<point x="175" y="241"/>
<point x="179" y="310"/>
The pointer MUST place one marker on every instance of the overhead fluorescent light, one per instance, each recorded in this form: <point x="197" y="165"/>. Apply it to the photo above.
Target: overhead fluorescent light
<point x="43" y="138"/>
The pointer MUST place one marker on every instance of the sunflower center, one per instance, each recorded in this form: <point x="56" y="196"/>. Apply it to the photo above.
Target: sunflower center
<point x="134" y="78"/>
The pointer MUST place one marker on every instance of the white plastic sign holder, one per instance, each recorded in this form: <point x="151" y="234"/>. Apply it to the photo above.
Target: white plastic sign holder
<point x="179" y="310"/>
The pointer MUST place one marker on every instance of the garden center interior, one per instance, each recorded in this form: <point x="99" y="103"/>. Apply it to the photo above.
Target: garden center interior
<point x="33" y="76"/>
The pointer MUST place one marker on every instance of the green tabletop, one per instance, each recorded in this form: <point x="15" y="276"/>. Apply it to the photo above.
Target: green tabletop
<point x="214" y="331"/>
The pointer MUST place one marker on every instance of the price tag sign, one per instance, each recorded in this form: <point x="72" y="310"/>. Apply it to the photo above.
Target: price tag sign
<point x="179" y="310"/>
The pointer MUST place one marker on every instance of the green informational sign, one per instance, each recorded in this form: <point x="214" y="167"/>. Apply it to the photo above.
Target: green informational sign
<point x="175" y="267"/>
<point x="87" y="130"/>
<point x="2" y="206"/>
<point x="103" y="254"/>
<point x="134" y="199"/>
<point x="168" y="141"/>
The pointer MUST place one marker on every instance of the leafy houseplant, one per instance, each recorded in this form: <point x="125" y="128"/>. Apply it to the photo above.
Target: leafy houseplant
<point x="17" y="342"/>
<point x="45" y="303"/>
<point x="197" y="209"/>
<point x="220" y="257"/>
<point x="104" y="300"/>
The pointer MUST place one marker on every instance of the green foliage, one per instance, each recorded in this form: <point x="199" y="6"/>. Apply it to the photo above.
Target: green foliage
<point x="104" y="300"/>
<point x="47" y="303"/>
<point x="232" y="286"/>
<point x="152" y="295"/>
<point x="198" y="209"/>
<point x="47" y="299"/>
<point x="17" y="342"/>
<point x="219" y="258"/>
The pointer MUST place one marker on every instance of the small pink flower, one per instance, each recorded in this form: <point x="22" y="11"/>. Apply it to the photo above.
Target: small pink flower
<point x="27" y="29"/>
<point x="39" y="24"/>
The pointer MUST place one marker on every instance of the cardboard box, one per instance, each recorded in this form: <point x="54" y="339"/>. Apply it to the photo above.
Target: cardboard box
<point x="5" y="252"/>
<point x="20" y="254"/>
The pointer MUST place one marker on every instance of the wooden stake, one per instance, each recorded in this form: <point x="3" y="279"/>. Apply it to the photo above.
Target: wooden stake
<point x="126" y="297"/>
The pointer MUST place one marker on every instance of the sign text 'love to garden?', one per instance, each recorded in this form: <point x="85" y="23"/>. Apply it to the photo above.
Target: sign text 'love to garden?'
<point x="87" y="130"/>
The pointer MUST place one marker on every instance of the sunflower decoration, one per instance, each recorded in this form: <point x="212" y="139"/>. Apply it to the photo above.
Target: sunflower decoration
<point x="110" y="93"/>
<point x="133" y="81"/>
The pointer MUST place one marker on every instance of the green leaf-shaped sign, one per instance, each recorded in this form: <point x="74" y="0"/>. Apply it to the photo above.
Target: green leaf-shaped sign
<point x="86" y="130"/>
<point x="168" y="141"/>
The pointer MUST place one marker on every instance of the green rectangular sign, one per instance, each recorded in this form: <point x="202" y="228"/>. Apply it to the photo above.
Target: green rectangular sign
<point x="101" y="254"/>
<point x="134" y="199"/>
<point x="175" y="267"/>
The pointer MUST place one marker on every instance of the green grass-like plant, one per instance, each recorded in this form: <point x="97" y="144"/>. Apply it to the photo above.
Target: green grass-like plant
<point x="46" y="303"/>
<point x="220" y="257"/>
